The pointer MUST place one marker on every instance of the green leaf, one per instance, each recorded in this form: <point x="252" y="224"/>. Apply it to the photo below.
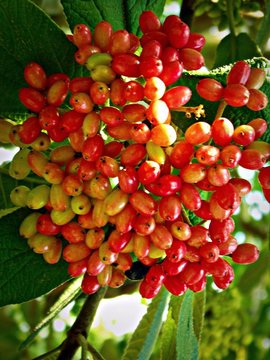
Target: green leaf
<point x="121" y="14"/>
<point x="231" y="49"/>
<point x="167" y="338"/>
<point x="24" y="275"/>
<point x="28" y="34"/>
<point x="145" y="336"/>
<point x="198" y="313"/>
<point x="5" y="212"/>
<point x="69" y="294"/>
<point x="187" y="346"/>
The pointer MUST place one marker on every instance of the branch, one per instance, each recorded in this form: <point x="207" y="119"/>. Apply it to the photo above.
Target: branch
<point x="81" y="326"/>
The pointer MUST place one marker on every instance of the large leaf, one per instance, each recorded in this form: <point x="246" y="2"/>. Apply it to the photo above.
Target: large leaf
<point x="185" y="314"/>
<point x="187" y="345"/>
<point x="167" y="338"/>
<point x="144" y="338"/>
<point x="28" y="34"/>
<point x="24" y="275"/>
<point x="121" y="14"/>
<point x="233" y="48"/>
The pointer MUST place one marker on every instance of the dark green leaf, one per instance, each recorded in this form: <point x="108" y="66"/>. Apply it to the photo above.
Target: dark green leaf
<point x="28" y="34"/>
<point x="24" y="275"/>
<point x="121" y="14"/>
<point x="198" y="313"/>
<point x="187" y="346"/>
<point x="5" y="212"/>
<point x="69" y="294"/>
<point x="231" y="49"/>
<point x="145" y="336"/>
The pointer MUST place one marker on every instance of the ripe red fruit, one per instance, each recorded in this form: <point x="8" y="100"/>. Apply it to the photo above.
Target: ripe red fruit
<point x="93" y="148"/>
<point x="245" y="254"/>
<point x="165" y="185"/>
<point x="126" y="65"/>
<point x="244" y="135"/>
<point x="259" y="125"/>
<point x="35" y="76"/>
<point x="230" y="156"/>
<point x="81" y="35"/>
<point x="181" y="154"/>
<point x="252" y="159"/>
<point x="210" y="89"/>
<point x="32" y="99"/>
<point x="177" y="31"/>
<point x="143" y="203"/>
<point x="239" y="73"/>
<point x="171" y="72"/>
<point x="29" y="130"/>
<point x="222" y="131"/>
<point x="176" y="252"/>
<point x="175" y="284"/>
<point x="149" y="21"/>
<point x="236" y="95"/>
<point x="192" y="59"/>
<point x="257" y="100"/>
<point x="198" y="133"/>
<point x="264" y="177"/>
<point x="90" y="284"/>
<point x="177" y="96"/>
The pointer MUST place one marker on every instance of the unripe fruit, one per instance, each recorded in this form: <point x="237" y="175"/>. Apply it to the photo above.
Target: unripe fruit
<point x="115" y="202"/>
<point x="35" y="76"/>
<point x="80" y="204"/>
<point x="98" y="59"/>
<point x="62" y="217"/>
<point x="41" y="243"/>
<point x="54" y="254"/>
<point x="37" y="162"/>
<point x="19" y="167"/>
<point x="38" y="197"/>
<point x="19" y="194"/>
<point x="106" y="255"/>
<point x="76" y="252"/>
<point x="59" y="200"/>
<point x="6" y="126"/>
<point x="99" y="216"/>
<point x="28" y="226"/>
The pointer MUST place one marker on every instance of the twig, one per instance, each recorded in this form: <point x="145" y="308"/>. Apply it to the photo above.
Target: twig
<point x="81" y="326"/>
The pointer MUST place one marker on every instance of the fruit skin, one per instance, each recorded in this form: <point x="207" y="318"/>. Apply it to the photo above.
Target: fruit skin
<point x="38" y="197"/>
<point x="18" y="195"/>
<point x="245" y="254"/>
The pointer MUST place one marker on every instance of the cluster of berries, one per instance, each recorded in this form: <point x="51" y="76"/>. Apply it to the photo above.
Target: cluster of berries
<point x="115" y="195"/>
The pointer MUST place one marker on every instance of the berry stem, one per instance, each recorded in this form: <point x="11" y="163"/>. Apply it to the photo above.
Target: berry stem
<point x="81" y="326"/>
<point x="221" y="108"/>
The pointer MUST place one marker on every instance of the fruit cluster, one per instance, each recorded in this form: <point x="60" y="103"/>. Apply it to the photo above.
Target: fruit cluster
<point x="116" y="193"/>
